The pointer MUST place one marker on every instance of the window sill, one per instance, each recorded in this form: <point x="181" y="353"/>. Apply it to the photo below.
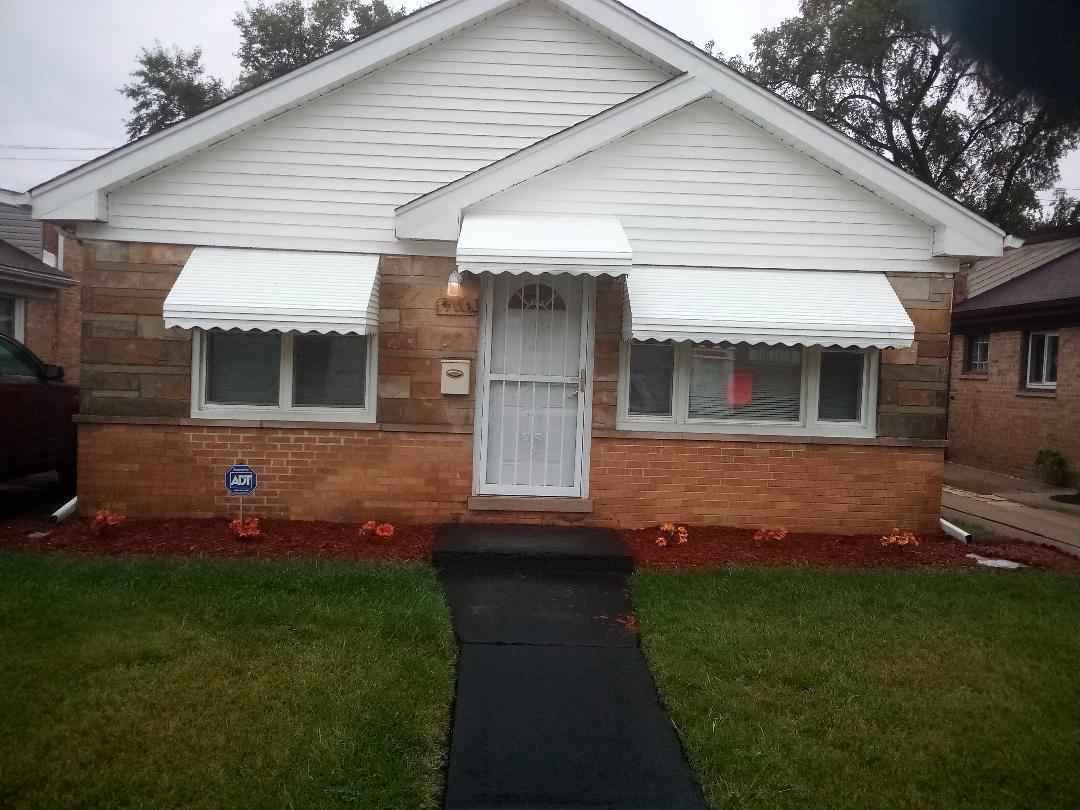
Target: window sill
<point x="279" y="416"/>
<point x="974" y="375"/>
<point x="1036" y="393"/>
<point x="734" y="432"/>
<point x="763" y="438"/>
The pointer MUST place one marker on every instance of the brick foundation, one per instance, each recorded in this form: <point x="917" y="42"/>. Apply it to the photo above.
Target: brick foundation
<point x="352" y="475"/>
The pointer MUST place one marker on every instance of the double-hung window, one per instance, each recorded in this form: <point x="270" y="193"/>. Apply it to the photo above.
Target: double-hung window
<point x="12" y="317"/>
<point x="977" y="354"/>
<point x="284" y="375"/>
<point x="1042" y="360"/>
<point x="743" y="388"/>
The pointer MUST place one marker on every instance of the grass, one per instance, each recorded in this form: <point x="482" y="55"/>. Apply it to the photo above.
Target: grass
<point x="161" y="683"/>
<point x="798" y="688"/>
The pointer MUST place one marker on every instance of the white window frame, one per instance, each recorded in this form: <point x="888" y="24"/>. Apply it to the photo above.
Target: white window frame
<point x="808" y="423"/>
<point x="1040" y="384"/>
<point x="20" y="316"/>
<point x="201" y="409"/>
<point x="970" y="362"/>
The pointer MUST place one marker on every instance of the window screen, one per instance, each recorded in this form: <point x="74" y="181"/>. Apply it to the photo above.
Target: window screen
<point x="840" y="386"/>
<point x="652" y="366"/>
<point x="242" y="368"/>
<point x="746" y="383"/>
<point x="329" y="371"/>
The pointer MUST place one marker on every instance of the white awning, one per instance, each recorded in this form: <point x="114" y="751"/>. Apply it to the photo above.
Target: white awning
<point x="513" y="243"/>
<point x="276" y="291"/>
<point x="789" y="307"/>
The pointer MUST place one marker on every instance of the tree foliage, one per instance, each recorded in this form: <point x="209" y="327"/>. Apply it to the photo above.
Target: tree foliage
<point x="877" y="71"/>
<point x="168" y="87"/>
<point x="278" y="38"/>
<point x="274" y="39"/>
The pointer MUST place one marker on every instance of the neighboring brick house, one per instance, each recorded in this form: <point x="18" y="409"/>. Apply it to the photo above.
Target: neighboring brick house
<point x="510" y="261"/>
<point x="39" y="301"/>
<point x="1016" y="357"/>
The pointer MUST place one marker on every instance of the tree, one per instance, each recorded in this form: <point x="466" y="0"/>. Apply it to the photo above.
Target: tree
<point x="275" y="39"/>
<point x="879" y="72"/>
<point x="168" y="87"/>
<point x="281" y="37"/>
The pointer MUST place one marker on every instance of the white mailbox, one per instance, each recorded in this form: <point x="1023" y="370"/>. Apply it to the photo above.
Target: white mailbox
<point x="455" y="376"/>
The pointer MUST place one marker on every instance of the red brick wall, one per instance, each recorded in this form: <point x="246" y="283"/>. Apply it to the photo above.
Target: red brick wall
<point x="52" y="318"/>
<point x="995" y="424"/>
<point x="178" y="471"/>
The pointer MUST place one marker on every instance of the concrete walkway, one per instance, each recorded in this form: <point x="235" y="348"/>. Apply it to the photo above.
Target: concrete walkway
<point x="1010" y="507"/>
<point x="555" y="706"/>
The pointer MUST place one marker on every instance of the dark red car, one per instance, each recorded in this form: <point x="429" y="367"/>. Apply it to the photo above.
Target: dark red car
<point x="37" y="433"/>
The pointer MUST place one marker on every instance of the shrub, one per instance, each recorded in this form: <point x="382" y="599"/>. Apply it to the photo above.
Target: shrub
<point x="372" y="529"/>
<point x="669" y="532"/>
<point x="1053" y="467"/>
<point x="106" y="520"/>
<point x="899" y="539"/>
<point x="245" y="529"/>
<point x="771" y="533"/>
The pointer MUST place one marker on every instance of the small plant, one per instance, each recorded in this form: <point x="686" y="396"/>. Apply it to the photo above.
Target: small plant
<point x="899" y="539"/>
<point x="373" y="529"/>
<point x="1052" y="465"/>
<point x="670" y="533"/>
<point x="245" y="528"/>
<point x="770" y="533"/>
<point x="106" y="520"/>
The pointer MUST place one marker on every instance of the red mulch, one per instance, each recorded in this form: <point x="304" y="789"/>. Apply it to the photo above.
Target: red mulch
<point x="708" y="546"/>
<point x="279" y="538"/>
<point x="716" y="546"/>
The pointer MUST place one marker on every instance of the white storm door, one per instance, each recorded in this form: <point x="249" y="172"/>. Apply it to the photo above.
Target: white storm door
<point x="533" y="399"/>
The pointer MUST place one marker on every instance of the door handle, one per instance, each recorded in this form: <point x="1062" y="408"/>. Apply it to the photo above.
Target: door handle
<point x="579" y="382"/>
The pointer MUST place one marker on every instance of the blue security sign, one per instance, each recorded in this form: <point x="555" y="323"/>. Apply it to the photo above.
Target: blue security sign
<point x="241" y="480"/>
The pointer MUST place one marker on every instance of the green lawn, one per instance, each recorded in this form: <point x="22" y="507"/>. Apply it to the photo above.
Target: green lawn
<point x="797" y="688"/>
<point x="167" y="683"/>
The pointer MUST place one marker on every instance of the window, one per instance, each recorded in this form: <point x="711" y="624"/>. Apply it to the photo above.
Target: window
<point x="11" y="317"/>
<point x="977" y="354"/>
<point x="1042" y="358"/>
<point x="786" y="390"/>
<point x="275" y="375"/>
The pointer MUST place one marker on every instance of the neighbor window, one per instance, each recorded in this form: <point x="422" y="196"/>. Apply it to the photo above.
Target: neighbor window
<point x="284" y="375"/>
<point x="11" y="317"/>
<point x="977" y="354"/>
<point x="744" y="388"/>
<point x="1042" y="359"/>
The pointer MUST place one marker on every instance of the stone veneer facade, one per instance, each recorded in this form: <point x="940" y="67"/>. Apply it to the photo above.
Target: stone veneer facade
<point x="140" y="451"/>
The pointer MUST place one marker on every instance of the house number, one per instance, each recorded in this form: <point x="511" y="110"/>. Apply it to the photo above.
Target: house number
<point x="457" y="306"/>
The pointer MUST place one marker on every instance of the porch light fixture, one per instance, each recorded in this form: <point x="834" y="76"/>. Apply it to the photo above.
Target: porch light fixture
<point x="453" y="285"/>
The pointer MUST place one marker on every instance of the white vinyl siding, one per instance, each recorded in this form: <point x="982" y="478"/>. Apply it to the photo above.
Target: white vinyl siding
<point x="328" y="175"/>
<point x="704" y="187"/>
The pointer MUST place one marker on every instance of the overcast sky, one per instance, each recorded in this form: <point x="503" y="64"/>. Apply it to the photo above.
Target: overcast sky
<point x="61" y="62"/>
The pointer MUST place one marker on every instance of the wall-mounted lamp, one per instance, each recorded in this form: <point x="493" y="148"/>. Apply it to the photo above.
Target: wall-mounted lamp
<point x="453" y="285"/>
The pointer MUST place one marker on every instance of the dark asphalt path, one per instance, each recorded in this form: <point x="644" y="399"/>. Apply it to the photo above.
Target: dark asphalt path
<point x="555" y="705"/>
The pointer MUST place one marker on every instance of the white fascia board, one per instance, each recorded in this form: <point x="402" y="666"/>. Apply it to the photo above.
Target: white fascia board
<point x="437" y="215"/>
<point x="153" y="152"/>
<point x="94" y="207"/>
<point x="9" y="197"/>
<point x="798" y="128"/>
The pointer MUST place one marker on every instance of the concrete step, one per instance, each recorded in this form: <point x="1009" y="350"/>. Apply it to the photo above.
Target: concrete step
<point x="518" y="547"/>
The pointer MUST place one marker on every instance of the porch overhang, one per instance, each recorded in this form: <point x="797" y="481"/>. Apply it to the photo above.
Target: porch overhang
<point x="276" y="291"/>
<point x="785" y="307"/>
<point x="512" y="243"/>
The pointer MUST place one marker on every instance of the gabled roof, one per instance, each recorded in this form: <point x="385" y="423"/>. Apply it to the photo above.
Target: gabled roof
<point x="18" y="266"/>
<point x="1052" y="288"/>
<point x="81" y="193"/>
<point x="985" y="276"/>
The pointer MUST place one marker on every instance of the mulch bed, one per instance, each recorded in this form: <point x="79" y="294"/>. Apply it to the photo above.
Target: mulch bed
<point x="717" y="546"/>
<point x="707" y="546"/>
<point x="210" y="537"/>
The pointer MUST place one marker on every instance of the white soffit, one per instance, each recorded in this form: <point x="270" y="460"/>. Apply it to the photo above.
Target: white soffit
<point x="276" y="291"/>
<point x="515" y="243"/>
<point x="788" y="307"/>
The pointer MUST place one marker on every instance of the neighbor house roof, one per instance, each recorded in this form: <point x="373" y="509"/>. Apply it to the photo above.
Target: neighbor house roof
<point x="988" y="275"/>
<point x="81" y="194"/>
<point x="18" y="266"/>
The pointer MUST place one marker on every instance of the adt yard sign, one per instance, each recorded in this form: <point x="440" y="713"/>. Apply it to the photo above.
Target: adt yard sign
<point x="241" y="480"/>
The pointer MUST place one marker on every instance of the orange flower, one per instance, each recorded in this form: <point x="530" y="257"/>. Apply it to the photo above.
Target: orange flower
<point x="774" y="533"/>
<point x="385" y="530"/>
<point x="369" y="526"/>
<point x="899" y="539"/>
<point x="661" y="541"/>
<point x="245" y="529"/>
<point x="667" y="528"/>
<point x="107" y="519"/>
